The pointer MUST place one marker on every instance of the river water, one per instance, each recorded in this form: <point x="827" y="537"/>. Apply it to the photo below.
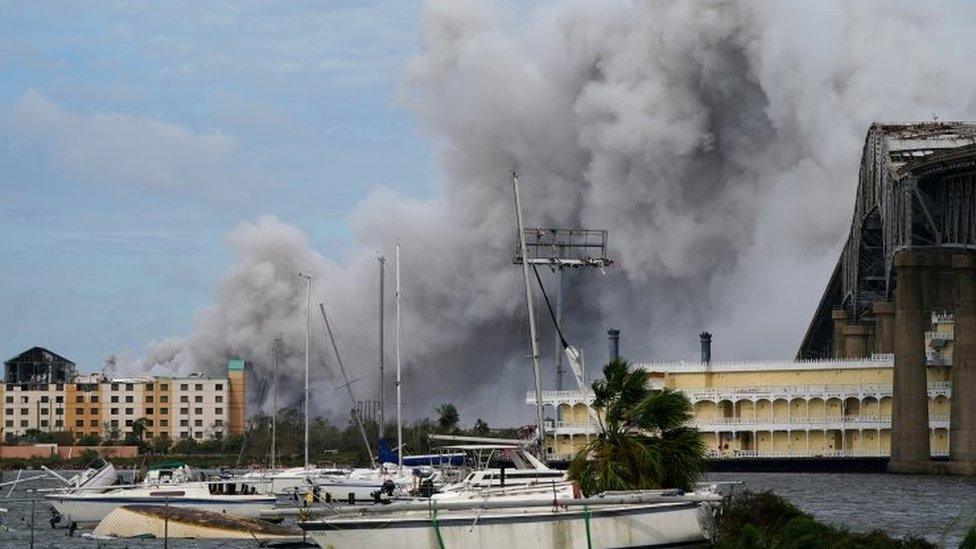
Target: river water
<point x="938" y="508"/>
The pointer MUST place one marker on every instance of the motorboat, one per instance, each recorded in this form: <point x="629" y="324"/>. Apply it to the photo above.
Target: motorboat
<point x="166" y="486"/>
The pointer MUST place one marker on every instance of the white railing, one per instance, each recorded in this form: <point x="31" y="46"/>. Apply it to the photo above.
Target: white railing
<point x="803" y="423"/>
<point x="798" y="453"/>
<point x="947" y="335"/>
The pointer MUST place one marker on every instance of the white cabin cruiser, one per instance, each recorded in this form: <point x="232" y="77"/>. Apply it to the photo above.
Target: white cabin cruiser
<point x="171" y="486"/>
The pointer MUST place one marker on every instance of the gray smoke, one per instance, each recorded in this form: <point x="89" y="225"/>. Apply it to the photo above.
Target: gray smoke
<point x="718" y="142"/>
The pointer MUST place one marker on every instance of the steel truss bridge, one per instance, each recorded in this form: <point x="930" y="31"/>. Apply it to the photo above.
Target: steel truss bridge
<point x="916" y="189"/>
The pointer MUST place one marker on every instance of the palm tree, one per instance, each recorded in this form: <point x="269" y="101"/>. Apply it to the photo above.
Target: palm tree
<point x="644" y="443"/>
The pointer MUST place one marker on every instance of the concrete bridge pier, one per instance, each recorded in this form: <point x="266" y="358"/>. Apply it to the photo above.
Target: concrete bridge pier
<point x="884" y="327"/>
<point x="962" y="424"/>
<point x="910" y="452"/>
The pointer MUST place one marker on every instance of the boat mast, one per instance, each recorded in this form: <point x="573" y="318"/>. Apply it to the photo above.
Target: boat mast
<point x="381" y="428"/>
<point x="398" y="392"/>
<point x="308" y="300"/>
<point x="532" y="330"/>
<point x="274" y="400"/>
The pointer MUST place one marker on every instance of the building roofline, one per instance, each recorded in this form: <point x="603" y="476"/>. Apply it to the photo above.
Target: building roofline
<point x="877" y="361"/>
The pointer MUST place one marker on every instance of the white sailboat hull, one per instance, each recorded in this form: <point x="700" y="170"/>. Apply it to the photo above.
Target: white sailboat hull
<point x="92" y="508"/>
<point x="671" y="525"/>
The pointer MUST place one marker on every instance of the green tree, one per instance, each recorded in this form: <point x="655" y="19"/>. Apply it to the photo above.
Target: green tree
<point x="161" y="444"/>
<point x="644" y="443"/>
<point x="481" y="428"/>
<point x="91" y="439"/>
<point x="447" y="417"/>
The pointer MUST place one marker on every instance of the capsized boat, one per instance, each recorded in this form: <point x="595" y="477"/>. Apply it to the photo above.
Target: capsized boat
<point x="158" y="521"/>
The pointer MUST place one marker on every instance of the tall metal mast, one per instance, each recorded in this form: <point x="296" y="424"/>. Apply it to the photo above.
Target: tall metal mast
<point x="532" y="332"/>
<point x="398" y="392"/>
<point x="308" y="300"/>
<point x="274" y="400"/>
<point x="381" y="428"/>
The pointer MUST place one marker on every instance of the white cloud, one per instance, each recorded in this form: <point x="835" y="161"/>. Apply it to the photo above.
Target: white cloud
<point x="122" y="148"/>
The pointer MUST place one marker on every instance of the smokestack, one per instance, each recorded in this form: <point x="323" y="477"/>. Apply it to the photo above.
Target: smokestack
<point x="706" y="347"/>
<point x="614" y="337"/>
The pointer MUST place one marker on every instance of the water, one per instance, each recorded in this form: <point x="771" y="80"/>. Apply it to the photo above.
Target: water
<point x="938" y="508"/>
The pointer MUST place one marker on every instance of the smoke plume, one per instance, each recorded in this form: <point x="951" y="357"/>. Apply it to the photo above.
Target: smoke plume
<point x="718" y="142"/>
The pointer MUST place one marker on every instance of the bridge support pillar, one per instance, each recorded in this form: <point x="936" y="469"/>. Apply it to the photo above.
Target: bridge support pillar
<point x="910" y="452"/>
<point x="962" y="424"/>
<point x="838" y="344"/>
<point x="857" y="338"/>
<point x="884" y="327"/>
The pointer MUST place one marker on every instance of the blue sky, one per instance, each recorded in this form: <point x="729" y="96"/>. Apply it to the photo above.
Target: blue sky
<point x="134" y="136"/>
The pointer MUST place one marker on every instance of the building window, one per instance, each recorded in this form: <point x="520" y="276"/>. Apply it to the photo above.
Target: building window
<point x="183" y="434"/>
<point x="10" y="411"/>
<point x="80" y="398"/>
<point x="149" y="399"/>
<point x="114" y="423"/>
<point x="184" y="386"/>
<point x="198" y="398"/>
<point x="58" y="423"/>
<point x="184" y="422"/>
<point x="218" y="423"/>
<point x="44" y="411"/>
<point x="23" y="423"/>
<point x="128" y="387"/>
<point x="11" y="387"/>
<point x="149" y="386"/>
<point x="198" y="434"/>
<point x="163" y="411"/>
<point x="94" y="423"/>
<point x="149" y="411"/>
<point x="94" y="399"/>
<point x="59" y="398"/>
<point x="198" y="411"/>
<point x="149" y="422"/>
<point x="9" y="423"/>
<point x="164" y="387"/>
<point x="128" y="423"/>
<point x="219" y="411"/>
<point x="43" y="423"/>
<point x="44" y="399"/>
<point x="128" y="398"/>
<point x="24" y="411"/>
<point x="79" y="411"/>
<point x="94" y="411"/>
<point x="79" y="423"/>
<point x="128" y="411"/>
<point x="164" y="398"/>
<point x="198" y="423"/>
<point x="184" y="411"/>
<point x="219" y="386"/>
<point x="115" y="398"/>
<point x="10" y="400"/>
<point x="164" y="423"/>
<point x="115" y="386"/>
<point x="199" y="387"/>
<point x="184" y="398"/>
<point x="59" y="411"/>
<point x="114" y="411"/>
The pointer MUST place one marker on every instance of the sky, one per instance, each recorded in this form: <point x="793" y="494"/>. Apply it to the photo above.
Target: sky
<point x="133" y="137"/>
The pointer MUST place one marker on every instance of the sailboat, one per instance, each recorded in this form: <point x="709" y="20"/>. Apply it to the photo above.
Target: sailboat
<point x="550" y="520"/>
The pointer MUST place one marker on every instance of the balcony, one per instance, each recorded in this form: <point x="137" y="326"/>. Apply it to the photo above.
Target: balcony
<point x="805" y="423"/>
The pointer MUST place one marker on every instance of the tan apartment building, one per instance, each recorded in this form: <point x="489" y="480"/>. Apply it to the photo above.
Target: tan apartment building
<point x="42" y="392"/>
